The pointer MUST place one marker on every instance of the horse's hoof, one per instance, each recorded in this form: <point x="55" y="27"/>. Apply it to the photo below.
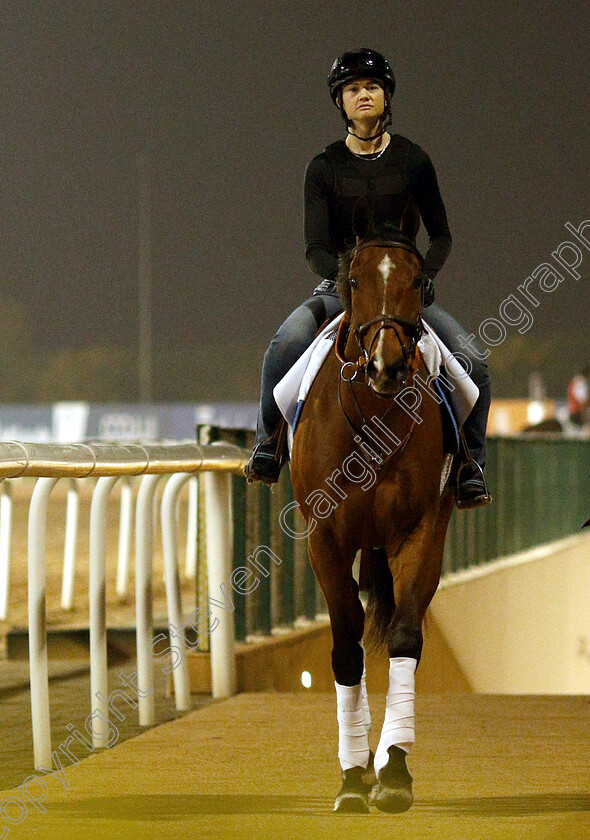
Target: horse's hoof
<point x="393" y="791"/>
<point x="391" y="800"/>
<point x="353" y="796"/>
<point x="351" y="802"/>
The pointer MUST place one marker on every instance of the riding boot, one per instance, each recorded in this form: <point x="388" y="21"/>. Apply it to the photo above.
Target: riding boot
<point x="267" y="459"/>
<point x="471" y="485"/>
<point x="472" y="490"/>
<point x="292" y="338"/>
<point x="265" y="462"/>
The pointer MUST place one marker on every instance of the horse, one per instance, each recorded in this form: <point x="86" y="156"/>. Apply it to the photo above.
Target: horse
<point x="369" y="472"/>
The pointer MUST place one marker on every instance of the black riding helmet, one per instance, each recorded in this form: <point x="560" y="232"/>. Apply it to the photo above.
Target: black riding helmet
<point x="359" y="64"/>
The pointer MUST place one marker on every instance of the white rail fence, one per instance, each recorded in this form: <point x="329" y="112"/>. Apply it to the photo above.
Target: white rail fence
<point x="126" y="524"/>
<point x="178" y="464"/>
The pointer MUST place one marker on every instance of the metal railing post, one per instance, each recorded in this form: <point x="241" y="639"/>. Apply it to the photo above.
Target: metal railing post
<point x="125" y="529"/>
<point x="218" y="507"/>
<point x="172" y="580"/>
<point x="37" y="623"/>
<point x="192" y="525"/>
<point x="70" y="546"/>
<point x="97" y="598"/>
<point x="5" y="545"/>
<point x="144" y="544"/>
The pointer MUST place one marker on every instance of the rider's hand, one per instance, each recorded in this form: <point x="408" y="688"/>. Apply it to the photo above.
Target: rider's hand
<point x="427" y="291"/>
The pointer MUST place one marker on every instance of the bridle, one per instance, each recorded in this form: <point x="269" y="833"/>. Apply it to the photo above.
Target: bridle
<point x="386" y="321"/>
<point x="389" y="322"/>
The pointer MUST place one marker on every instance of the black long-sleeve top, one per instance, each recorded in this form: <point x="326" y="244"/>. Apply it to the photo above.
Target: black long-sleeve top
<point x="404" y="188"/>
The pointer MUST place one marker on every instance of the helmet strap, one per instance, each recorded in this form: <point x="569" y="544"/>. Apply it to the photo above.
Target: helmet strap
<point x="372" y="137"/>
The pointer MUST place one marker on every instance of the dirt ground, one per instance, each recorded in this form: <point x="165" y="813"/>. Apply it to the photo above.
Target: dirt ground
<point x="265" y="766"/>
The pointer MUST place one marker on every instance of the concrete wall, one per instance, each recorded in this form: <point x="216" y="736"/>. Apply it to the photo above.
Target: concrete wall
<point x="276" y="663"/>
<point x="521" y="625"/>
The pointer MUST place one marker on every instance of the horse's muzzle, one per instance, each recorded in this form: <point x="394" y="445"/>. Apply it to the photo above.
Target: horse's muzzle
<point x="386" y="380"/>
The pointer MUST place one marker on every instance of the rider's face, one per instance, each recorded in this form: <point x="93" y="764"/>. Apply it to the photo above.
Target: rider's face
<point x="362" y="99"/>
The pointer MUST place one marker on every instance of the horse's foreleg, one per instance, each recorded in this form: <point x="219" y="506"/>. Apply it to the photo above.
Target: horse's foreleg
<point x="332" y="566"/>
<point x="333" y="569"/>
<point x="416" y="571"/>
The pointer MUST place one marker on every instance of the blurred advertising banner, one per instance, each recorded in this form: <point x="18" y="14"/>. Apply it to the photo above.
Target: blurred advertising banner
<point x="71" y="422"/>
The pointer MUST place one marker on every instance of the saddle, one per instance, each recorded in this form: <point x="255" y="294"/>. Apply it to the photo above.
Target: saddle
<point x="283" y="433"/>
<point x="456" y="404"/>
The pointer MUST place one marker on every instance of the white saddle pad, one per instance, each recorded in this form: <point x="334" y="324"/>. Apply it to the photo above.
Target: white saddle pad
<point x="294" y="387"/>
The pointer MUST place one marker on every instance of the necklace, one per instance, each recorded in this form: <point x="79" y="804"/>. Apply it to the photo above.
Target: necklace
<point x="372" y="156"/>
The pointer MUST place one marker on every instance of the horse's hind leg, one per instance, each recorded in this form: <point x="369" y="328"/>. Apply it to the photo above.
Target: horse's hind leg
<point x="416" y="572"/>
<point x="333" y="569"/>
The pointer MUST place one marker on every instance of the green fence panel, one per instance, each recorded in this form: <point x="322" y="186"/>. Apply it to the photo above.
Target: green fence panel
<point x="540" y="487"/>
<point x="239" y="528"/>
<point x="288" y="554"/>
<point x="264" y="539"/>
<point x="310" y="591"/>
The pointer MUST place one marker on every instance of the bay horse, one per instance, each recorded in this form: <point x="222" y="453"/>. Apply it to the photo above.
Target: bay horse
<point x="368" y="471"/>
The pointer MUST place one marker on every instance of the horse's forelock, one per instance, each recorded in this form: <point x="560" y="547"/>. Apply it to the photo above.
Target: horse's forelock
<point x="383" y="233"/>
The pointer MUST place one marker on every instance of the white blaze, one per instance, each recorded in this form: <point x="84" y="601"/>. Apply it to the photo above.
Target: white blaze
<point x="385" y="267"/>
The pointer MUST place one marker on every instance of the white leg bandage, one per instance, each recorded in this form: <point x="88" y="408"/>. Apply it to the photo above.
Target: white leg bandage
<point x="398" y="726"/>
<point x="353" y="733"/>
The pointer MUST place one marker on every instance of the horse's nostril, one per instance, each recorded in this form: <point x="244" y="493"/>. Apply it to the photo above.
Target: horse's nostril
<point x="395" y="370"/>
<point x="371" y="367"/>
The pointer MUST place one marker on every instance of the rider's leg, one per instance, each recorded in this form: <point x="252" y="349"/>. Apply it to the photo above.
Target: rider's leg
<point x="290" y="341"/>
<point x="474" y="428"/>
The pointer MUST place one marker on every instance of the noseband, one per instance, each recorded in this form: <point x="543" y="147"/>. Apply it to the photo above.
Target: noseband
<point x="389" y="322"/>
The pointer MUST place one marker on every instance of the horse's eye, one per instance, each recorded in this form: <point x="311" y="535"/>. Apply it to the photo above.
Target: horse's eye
<point x="352" y="281"/>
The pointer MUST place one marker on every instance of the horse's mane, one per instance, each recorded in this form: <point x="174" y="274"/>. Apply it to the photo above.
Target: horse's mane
<point x="384" y="232"/>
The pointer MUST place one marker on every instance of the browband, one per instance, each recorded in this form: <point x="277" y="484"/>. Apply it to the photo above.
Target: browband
<point x="388" y="244"/>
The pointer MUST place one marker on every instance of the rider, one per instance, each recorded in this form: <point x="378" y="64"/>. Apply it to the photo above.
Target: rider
<point x="400" y="180"/>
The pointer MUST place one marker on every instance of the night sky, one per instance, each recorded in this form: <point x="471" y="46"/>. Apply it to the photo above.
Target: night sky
<point x="230" y="102"/>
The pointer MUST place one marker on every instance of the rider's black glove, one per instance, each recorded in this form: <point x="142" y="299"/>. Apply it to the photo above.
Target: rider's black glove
<point x="427" y="290"/>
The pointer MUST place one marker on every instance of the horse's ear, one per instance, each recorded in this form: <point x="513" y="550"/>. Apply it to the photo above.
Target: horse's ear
<point x="362" y="218"/>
